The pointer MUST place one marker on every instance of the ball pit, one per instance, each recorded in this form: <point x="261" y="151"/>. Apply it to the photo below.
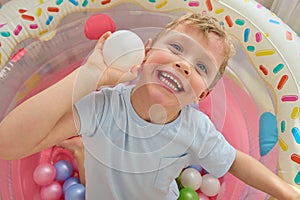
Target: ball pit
<point x="260" y="88"/>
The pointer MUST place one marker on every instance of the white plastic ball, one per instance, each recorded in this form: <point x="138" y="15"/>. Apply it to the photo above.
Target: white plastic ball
<point x="192" y="178"/>
<point x="210" y="185"/>
<point x="123" y="49"/>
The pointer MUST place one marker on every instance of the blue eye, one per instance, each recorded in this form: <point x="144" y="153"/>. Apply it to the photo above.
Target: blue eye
<point x="176" y="47"/>
<point x="202" y="68"/>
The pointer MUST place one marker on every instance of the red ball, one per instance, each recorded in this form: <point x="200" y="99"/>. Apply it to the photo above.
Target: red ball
<point x="97" y="25"/>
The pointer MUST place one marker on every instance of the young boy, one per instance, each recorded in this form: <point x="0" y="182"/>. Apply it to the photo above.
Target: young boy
<point x="138" y="138"/>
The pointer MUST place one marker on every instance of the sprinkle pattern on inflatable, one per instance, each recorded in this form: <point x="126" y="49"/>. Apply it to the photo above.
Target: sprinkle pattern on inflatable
<point x="260" y="113"/>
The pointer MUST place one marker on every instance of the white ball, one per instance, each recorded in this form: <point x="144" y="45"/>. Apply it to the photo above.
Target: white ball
<point x="123" y="49"/>
<point x="192" y="178"/>
<point x="210" y="185"/>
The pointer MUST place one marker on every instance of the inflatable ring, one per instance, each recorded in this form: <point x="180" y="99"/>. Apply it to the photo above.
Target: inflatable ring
<point x="260" y="88"/>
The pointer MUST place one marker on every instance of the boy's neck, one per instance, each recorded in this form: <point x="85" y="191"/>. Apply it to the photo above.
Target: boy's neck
<point x="152" y="111"/>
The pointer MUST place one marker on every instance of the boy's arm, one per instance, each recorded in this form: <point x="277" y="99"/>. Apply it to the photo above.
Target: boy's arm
<point x="75" y="145"/>
<point x="255" y="174"/>
<point x="49" y="117"/>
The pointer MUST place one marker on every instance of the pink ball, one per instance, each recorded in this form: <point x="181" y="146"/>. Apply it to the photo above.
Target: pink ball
<point x="51" y="192"/>
<point x="44" y="174"/>
<point x="202" y="196"/>
<point x="210" y="185"/>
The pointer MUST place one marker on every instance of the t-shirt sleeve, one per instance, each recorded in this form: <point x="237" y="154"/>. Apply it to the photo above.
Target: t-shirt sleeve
<point x="89" y="109"/>
<point x="215" y="154"/>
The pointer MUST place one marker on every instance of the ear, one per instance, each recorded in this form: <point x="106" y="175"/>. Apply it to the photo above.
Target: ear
<point x="204" y="94"/>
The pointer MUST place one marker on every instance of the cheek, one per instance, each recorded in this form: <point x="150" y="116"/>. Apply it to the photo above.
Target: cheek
<point x="198" y="84"/>
<point x="159" y="56"/>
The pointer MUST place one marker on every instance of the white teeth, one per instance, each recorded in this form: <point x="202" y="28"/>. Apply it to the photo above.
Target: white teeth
<point x="170" y="81"/>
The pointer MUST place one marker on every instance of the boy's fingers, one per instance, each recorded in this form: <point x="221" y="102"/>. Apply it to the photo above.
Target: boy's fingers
<point x="102" y="39"/>
<point x="135" y="69"/>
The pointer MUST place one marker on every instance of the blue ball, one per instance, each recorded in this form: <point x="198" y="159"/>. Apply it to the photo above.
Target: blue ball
<point x="69" y="182"/>
<point x="197" y="167"/>
<point x="64" y="170"/>
<point x="75" y="192"/>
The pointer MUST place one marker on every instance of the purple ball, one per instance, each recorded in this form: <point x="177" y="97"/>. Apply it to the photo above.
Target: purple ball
<point x="64" y="170"/>
<point x="69" y="182"/>
<point x="197" y="167"/>
<point x="75" y="192"/>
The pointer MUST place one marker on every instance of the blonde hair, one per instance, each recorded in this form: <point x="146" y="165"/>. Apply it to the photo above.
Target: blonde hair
<point x="206" y="24"/>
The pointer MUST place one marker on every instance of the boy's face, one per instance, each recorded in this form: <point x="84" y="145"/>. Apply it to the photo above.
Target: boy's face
<point x="182" y="64"/>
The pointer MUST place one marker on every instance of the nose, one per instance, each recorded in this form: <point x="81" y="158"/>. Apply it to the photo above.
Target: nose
<point x="183" y="67"/>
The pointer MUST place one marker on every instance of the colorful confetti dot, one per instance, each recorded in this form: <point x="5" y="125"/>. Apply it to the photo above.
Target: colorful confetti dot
<point x="85" y="3"/>
<point x="282" y="144"/>
<point x="219" y="10"/>
<point x="49" y="20"/>
<point x="263" y="69"/>
<point x="229" y="20"/>
<point x="282" y="126"/>
<point x="39" y="12"/>
<point x="53" y="9"/>
<point x="162" y="4"/>
<point x="278" y="68"/>
<point x="194" y="3"/>
<point x="28" y="17"/>
<point x="258" y="37"/>
<point x="282" y="81"/>
<point x="75" y="3"/>
<point x="273" y="21"/>
<point x="208" y="5"/>
<point x="289" y="35"/>
<point x="297" y="178"/>
<point x="295" y="113"/>
<point x="250" y="48"/>
<point x="267" y="52"/>
<point x="246" y="34"/>
<point x="33" y="26"/>
<point x="296" y="158"/>
<point x="104" y="2"/>
<point x="58" y="2"/>
<point x="17" y="30"/>
<point x="296" y="134"/>
<point x="5" y="34"/>
<point x="240" y="22"/>
<point x="289" y="98"/>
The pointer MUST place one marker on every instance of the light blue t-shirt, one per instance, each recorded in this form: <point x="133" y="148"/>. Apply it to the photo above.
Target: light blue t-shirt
<point x="129" y="158"/>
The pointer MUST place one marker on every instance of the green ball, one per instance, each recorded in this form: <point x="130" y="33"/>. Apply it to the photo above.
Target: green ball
<point x="179" y="184"/>
<point x="188" y="194"/>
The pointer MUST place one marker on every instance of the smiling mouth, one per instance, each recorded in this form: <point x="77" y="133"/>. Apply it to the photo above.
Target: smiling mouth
<point x="170" y="81"/>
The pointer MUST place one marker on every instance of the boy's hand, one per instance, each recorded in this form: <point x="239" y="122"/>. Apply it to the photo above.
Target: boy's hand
<point x="110" y="76"/>
<point x="113" y="76"/>
<point x="296" y="194"/>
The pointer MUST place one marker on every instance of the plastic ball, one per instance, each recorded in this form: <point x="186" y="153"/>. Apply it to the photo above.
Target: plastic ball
<point x="197" y="167"/>
<point x="97" y="25"/>
<point x="191" y="177"/>
<point x="210" y="185"/>
<point x="51" y="192"/>
<point x="75" y="192"/>
<point x="202" y="197"/>
<point x="69" y="182"/>
<point x="188" y="194"/>
<point x="44" y="174"/>
<point x="123" y="49"/>
<point x="64" y="170"/>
